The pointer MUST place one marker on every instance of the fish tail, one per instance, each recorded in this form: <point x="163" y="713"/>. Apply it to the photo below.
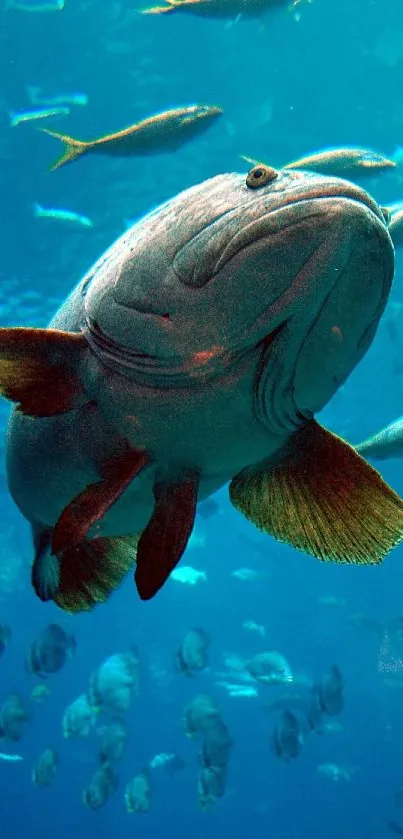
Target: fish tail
<point x="74" y="148"/>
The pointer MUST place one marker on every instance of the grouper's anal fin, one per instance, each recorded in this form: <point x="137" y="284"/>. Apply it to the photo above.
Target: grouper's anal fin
<point x="322" y="498"/>
<point x="38" y="370"/>
<point x="96" y="499"/>
<point x="164" y="540"/>
<point x="92" y="570"/>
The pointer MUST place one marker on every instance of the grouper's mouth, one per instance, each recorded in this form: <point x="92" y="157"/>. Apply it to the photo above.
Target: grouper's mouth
<point x="158" y="371"/>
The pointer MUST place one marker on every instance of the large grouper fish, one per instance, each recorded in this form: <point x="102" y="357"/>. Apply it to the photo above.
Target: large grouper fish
<point x="195" y="352"/>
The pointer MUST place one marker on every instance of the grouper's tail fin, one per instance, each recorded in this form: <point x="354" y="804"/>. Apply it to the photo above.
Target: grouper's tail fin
<point x="73" y="148"/>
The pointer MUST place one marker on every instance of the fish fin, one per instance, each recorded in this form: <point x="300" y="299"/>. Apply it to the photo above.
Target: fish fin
<point x="251" y="160"/>
<point x="38" y="370"/>
<point x="95" y="500"/>
<point x="322" y="498"/>
<point x="90" y="571"/>
<point x="158" y="10"/>
<point x="45" y="568"/>
<point x="164" y="540"/>
<point x="74" y="148"/>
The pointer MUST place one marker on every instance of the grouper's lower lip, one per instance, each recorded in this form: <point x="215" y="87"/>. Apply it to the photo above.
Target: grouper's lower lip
<point x="311" y="199"/>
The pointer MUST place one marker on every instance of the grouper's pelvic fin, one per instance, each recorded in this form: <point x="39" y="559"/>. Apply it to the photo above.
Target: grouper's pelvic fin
<point x="38" y="370"/>
<point x="322" y="498"/>
<point x="90" y="569"/>
<point x="96" y="499"/>
<point x="73" y="148"/>
<point x="164" y="540"/>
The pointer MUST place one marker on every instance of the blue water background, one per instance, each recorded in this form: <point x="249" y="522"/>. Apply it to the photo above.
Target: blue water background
<point x="287" y="88"/>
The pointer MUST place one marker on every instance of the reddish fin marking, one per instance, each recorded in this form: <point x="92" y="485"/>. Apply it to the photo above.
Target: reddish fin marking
<point x="164" y="540"/>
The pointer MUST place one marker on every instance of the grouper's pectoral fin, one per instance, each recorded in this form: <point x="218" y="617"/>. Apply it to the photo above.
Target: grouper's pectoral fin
<point x="38" y="370"/>
<point x="164" y="540"/>
<point x="322" y="498"/>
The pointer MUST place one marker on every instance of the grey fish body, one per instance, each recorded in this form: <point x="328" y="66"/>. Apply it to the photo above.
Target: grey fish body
<point x="69" y="446"/>
<point x="385" y="444"/>
<point x="201" y="343"/>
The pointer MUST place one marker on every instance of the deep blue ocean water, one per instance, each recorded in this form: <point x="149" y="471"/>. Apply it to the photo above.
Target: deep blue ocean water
<point x="287" y="88"/>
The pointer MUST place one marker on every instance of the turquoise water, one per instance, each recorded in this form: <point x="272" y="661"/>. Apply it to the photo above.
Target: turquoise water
<point x="286" y="87"/>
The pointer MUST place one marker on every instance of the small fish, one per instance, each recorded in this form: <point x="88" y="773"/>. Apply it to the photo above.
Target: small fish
<point x="332" y="601"/>
<point x="61" y="215"/>
<point x="330" y="692"/>
<point x="188" y="575"/>
<point x="234" y="690"/>
<point x="343" y="162"/>
<point x="78" y="719"/>
<point x="287" y="737"/>
<point x="385" y="444"/>
<point x="192" y="655"/>
<point x="102" y="785"/>
<point x="271" y="668"/>
<point x="246" y="574"/>
<point x="138" y="793"/>
<point x="14" y="713"/>
<point x="36" y="98"/>
<point x="200" y="715"/>
<point x="114" y="742"/>
<point x="50" y="651"/>
<point x="208" y="508"/>
<point x="10" y="758"/>
<point x="227" y="9"/>
<point x="30" y="116"/>
<point x="19" y="6"/>
<point x="395" y="223"/>
<point x="251" y="626"/>
<point x="39" y="693"/>
<point x="5" y="638"/>
<point x="161" y="133"/>
<point x="45" y="768"/>
<point x="171" y="762"/>
<point x="335" y="772"/>
<point x="339" y="162"/>
<point x="114" y="684"/>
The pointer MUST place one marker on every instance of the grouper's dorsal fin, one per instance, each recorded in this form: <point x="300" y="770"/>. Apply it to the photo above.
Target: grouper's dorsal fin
<point x="38" y="370"/>
<point x="164" y="540"/>
<point x="95" y="500"/>
<point x="322" y="498"/>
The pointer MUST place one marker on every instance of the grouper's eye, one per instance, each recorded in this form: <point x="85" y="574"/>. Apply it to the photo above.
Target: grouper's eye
<point x="260" y="175"/>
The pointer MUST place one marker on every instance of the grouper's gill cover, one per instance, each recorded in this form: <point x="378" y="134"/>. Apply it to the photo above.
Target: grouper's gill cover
<point x="196" y="352"/>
